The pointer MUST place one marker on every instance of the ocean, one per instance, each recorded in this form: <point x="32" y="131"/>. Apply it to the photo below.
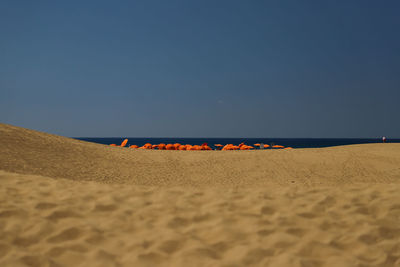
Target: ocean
<point x="292" y="142"/>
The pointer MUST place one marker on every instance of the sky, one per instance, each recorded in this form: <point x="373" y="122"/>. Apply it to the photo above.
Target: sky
<point x="311" y="69"/>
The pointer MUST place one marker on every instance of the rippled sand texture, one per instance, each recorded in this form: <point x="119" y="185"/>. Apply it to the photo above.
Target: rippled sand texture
<point x="294" y="212"/>
<point x="65" y="223"/>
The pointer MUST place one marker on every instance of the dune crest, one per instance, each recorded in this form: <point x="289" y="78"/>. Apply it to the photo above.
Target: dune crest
<point x="31" y="152"/>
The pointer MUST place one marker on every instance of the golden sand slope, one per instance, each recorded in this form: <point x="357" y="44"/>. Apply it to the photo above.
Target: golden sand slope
<point x="31" y="152"/>
<point x="48" y="222"/>
<point x="307" y="207"/>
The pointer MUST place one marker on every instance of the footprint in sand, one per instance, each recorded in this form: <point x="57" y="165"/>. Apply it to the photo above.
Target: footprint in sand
<point x="45" y="206"/>
<point x="106" y="257"/>
<point x="389" y="232"/>
<point x="25" y="241"/>
<point x="368" y="239"/>
<point x="197" y="194"/>
<point x="105" y="208"/>
<point x="201" y="217"/>
<point x="257" y="255"/>
<point x="66" y="235"/>
<point x="170" y="246"/>
<point x="220" y="247"/>
<point x="95" y="239"/>
<point x="4" y="249"/>
<point x="299" y="232"/>
<point x="362" y="210"/>
<point x="56" y="251"/>
<point x="12" y="213"/>
<point x="32" y="260"/>
<point x="178" y="222"/>
<point x="307" y="215"/>
<point x="265" y="232"/>
<point x="150" y="259"/>
<point x="203" y="253"/>
<point x="62" y="214"/>
<point x="267" y="210"/>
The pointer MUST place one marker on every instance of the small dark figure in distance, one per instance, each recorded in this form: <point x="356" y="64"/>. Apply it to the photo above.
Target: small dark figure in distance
<point x="384" y="139"/>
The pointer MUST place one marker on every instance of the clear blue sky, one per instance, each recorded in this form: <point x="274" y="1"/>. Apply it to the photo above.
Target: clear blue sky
<point x="201" y="68"/>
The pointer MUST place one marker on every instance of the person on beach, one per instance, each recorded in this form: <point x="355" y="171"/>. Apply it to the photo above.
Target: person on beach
<point x="384" y="139"/>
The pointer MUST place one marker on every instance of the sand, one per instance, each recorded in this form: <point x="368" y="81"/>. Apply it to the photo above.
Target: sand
<point x="65" y="202"/>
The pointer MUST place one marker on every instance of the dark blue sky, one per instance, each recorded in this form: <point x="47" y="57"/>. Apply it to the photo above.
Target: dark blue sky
<point x="201" y="68"/>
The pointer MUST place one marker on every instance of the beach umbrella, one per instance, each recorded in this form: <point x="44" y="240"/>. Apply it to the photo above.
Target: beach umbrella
<point x="177" y="145"/>
<point x="288" y="147"/>
<point x="227" y="147"/>
<point x="265" y="146"/>
<point x="277" y="146"/>
<point x="170" y="147"/>
<point x="218" y="146"/>
<point x="257" y="144"/>
<point x="246" y="147"/>
<point x="148" y="146"/>
<point x="161" y="146"/>
<point x="230" y="147"/>
<point x="124" y="142"/>
<point x="134" y="146"/>
<point x="205" y="147"/>
<point x="113" y="145"/>
<point x="182" y="147"/>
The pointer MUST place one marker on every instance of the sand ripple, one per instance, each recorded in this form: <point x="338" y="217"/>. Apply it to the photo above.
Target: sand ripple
<point x="48" y="222"/>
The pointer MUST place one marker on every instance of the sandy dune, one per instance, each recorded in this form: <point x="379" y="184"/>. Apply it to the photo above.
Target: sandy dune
<point x="65" y="202"/>
<point x="30" y="152"/>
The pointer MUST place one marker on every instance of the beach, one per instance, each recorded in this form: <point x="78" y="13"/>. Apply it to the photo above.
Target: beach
<point x="65" y="202"/>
